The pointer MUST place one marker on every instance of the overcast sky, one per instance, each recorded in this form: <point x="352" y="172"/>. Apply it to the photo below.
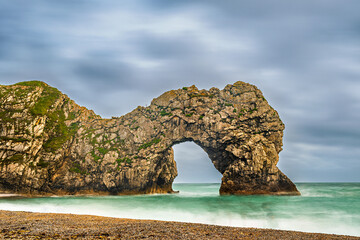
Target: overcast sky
<point x="112" y="56"/>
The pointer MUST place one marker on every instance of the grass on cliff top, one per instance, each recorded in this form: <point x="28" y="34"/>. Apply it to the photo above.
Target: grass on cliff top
<point x="55" y="126"/>
<point x="46" y="100"/>
<point x="33" y="83"/>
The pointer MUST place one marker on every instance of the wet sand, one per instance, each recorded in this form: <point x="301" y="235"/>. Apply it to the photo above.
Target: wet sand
<point x="26" y="225"/>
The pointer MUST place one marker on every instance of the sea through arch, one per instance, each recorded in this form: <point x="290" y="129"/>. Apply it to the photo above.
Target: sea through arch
<point x="194" y="165"/>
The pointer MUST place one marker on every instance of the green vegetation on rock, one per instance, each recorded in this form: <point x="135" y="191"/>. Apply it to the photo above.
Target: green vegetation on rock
<point x="17" y="158"/>
<point x="125" y="159"/>
<point x="48" y="97"/>
<point x="103" y="151"/>
<point x="59" y="132"/>
<point x="42" y="164"/>
<point x="13" y="139"/>
<point x="96" y="157"/>
<point x="76" y="168"/>
<point x="148" y="144"/>
<point x="164" y="113"/>
<point x="253" y="110"/>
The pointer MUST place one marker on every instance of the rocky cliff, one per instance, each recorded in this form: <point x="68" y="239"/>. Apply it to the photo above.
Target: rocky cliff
<point x="50" y="145"/>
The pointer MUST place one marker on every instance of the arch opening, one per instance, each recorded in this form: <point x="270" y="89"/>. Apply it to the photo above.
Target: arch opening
<point x="194" y="165"/>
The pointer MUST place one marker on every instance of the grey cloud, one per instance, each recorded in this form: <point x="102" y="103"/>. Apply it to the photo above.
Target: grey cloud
<point x="303" y="55"/>
<point x="104" y="75"/>
<point x="171" y="47"/>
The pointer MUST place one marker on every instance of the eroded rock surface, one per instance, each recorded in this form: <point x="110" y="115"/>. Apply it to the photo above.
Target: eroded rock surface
<point x="50" y="145"/>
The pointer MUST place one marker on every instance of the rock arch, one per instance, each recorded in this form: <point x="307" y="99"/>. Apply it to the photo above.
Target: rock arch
<point x="235" y="126"/>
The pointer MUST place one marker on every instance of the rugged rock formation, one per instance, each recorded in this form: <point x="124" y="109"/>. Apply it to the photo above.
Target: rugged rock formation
<point x="50" y="145"/>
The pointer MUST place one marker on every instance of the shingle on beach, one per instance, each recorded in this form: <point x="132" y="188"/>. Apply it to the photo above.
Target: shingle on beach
<point x="26" y="225"/>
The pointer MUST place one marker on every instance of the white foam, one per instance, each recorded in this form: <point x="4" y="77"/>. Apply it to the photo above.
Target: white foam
<point x="6" y="195"/>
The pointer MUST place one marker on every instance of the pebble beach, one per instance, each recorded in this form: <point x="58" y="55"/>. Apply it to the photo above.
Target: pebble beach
<point x="27" y="225"/>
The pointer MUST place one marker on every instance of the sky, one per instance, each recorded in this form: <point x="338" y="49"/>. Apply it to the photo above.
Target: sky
<point x="112" y="56"/>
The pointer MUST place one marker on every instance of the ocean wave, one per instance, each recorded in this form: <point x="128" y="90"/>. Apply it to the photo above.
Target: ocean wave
<point x="314" y="211"/>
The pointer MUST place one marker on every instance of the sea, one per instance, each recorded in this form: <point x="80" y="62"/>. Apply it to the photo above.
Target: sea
<point x="322" y="207"/>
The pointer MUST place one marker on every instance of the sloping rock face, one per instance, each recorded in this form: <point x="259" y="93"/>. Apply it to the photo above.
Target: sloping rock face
<point x="50" y="145"/>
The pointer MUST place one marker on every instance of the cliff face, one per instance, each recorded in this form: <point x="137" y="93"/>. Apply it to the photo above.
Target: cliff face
<point x="50" y="145"/>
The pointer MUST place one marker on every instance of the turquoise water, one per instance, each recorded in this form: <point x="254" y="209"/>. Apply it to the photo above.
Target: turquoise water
<point x="322" y="207"/>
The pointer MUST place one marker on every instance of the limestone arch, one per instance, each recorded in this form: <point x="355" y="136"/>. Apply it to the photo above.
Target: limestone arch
<point x="132" y="154"/>
<point x="236" y="127"/>
<point x="239" y="131"/>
